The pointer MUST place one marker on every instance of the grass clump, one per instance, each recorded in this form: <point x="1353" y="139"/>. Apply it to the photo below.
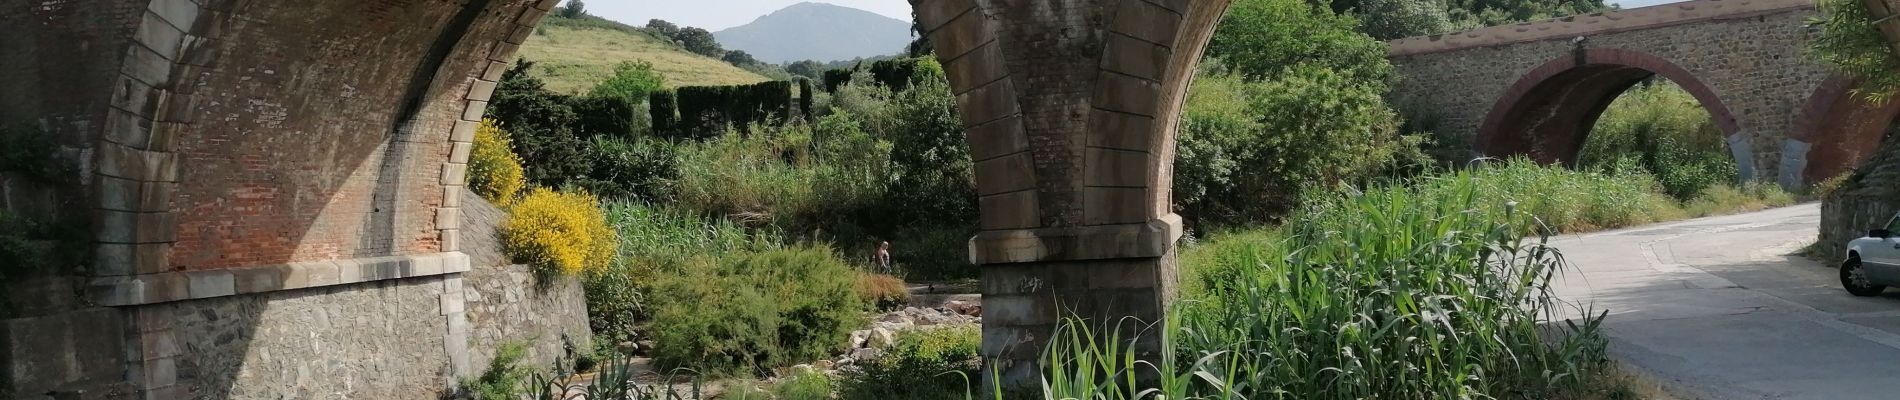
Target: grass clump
<point x="755" y="311"/>
<point x="559" y="232"/>
<point x="503" y="379"/>
<point x="882" y="292"/>
<point x="1731" y="199"/>
<point x="922" y="364"/>
<point x="1430" y="290"/>
<point x="805" y="385"/>
<point x="494" y="171"/>
<point x="653" y="241"/>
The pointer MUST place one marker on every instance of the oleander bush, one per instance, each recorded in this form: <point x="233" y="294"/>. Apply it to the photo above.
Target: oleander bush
<point x="559" y="232"/>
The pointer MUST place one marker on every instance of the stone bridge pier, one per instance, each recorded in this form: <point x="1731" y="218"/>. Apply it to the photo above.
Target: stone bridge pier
<point x="1070" y="108"/>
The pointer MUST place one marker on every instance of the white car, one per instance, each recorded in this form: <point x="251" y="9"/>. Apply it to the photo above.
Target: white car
<point x="1873" y="262"/>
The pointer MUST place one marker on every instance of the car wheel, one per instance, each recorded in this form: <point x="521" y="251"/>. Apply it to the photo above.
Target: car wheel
<point x="1854" y="279"/>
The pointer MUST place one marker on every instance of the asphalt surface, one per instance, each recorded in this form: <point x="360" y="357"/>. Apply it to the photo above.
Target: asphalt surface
<point x="1722" y="308"/>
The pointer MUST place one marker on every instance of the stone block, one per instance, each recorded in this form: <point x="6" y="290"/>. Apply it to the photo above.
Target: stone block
<point x="129" y="259"/>
<point x="932" y="14"/>
<point x="1015" y="279"/>
<point x="459" y="151"/>
<point x="164" y="136"/>
<point x="1135" y="57"/>
<point x="160" y="36"/>
<point x="1013" y="210"/>
<point x="451" y="196"/>
<point x="1123" y="274"/>
<point x="180" y="108"/>
<point x="126" y="127"/>
<point x="159" y="372"/>
<point x="451" y="240"/>
<point x="1005" y="174"/>
<point x="1146" y="21"/>
<point x="134" y="228"/>
<point x="1113" y="205"/>
<point x="1012" y="342"/>
<point x="133" y="95"/>
<point x="131" y="163"/>
<point x="962" y="35"/>
<point x="173" y="392"/>
<point x="147" y="67"/>
<point x="996" y="138"/>
<point x="454" y="262"/>
<point x="494" y="71"/>
<point x="314" y="274"/>
<point x="1118" y="168"/>
<point x="1123" y="93"/>
<point x="481" y="90"/>
<point x="351" y="271"/>
<point x="207" y="284"/>
<point x="1020" y="310"/>
<point x="260" y="279"/>
<point x="473" y="111"/>
<point x="464" y="132"/>
<point x="976" y="68"/>
<point x="453" y="303"/>
<point x="545" y="5"/>
<point x="1118" y="130"/>
<point x="503" y="51"/>
<point x="120" y="194"/>
<point x="448" y="218"/>
<point x="180" y="13"/>
<point x="426" y="265"/>
<point x="454" y="174"/>
<point x="988" y="103"/>
<point x="157" y="344"/>
<point x="521" y="34"/>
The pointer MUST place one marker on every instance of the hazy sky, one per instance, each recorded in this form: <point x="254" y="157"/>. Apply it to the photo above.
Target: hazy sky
<point x="714" y="15"/>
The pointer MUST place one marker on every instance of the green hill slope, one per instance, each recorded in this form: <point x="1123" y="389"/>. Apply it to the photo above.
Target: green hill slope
<point x="571" y="55"/>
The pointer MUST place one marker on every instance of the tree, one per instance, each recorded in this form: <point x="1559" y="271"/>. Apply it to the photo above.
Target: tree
<point x="574" y="9"/>
<point x="807" y="68"/>
<point x="1262" y="38"/>
<point x="1393" y="19"/>
<point x="632" y="80"/>
<point x="739" y="58"/>
<point x="662" y="28"/>
<point x="1849" y="42"/>
<point x="699" y="41"/>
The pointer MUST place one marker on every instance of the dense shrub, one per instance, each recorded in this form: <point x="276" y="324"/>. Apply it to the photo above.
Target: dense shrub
<point x="542" y="125"/>
<point x="654" y="241"/>
<point x="922" y="364"/>
<point x="794" y="176"/>
<point x="1236" y="163"/>
<point x="503" y="379"/>
<point x="753" y="311"/>
<point x="708" y="110"/>
<point x="1422" y="291"/>
<point x="642" y="168"/>
<point x="882" y="292"/>
<point x="1661" y="130"/>
<point x="1262" y="38"/>
<point x="494" y="172"/>
<point x="559" y="232"/>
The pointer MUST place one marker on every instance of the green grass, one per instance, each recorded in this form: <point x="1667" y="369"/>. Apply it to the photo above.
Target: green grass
<point x="572" y="56"/>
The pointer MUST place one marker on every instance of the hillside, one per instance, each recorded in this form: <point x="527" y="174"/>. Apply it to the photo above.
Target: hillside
<point x="817" y="31"/>
<point x="573" y="55"/>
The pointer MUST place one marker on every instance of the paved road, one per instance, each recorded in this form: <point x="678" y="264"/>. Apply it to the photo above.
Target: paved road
<point x="1717" y="308"/>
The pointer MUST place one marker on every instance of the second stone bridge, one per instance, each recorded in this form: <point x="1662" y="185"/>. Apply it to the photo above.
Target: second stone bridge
<point x="1536" y="88"/>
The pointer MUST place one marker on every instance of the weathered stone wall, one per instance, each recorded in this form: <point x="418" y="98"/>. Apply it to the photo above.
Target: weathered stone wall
<point x="379" y="340"/>
<point x="1753" y="62"/>
<point x="506" y="302"/>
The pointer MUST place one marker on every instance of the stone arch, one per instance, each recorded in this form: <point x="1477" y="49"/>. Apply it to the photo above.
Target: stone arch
<point x="1549" y="111"/>
<point x="1834" y="132"/>
<point x="1070" y="110"/>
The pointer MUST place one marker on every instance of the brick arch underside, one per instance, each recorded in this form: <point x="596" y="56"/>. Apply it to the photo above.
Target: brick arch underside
<point x="273" y="133"/>
<point x="1840" y="128"/>
<point x="1548" y="113"/>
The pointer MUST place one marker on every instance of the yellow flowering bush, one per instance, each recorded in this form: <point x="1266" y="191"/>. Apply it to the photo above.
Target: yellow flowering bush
<point x="494" y="171"/>
<point x="559" y="232"/>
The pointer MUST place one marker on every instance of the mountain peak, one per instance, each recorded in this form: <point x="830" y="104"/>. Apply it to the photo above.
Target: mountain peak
<point x="817" y="31"/>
